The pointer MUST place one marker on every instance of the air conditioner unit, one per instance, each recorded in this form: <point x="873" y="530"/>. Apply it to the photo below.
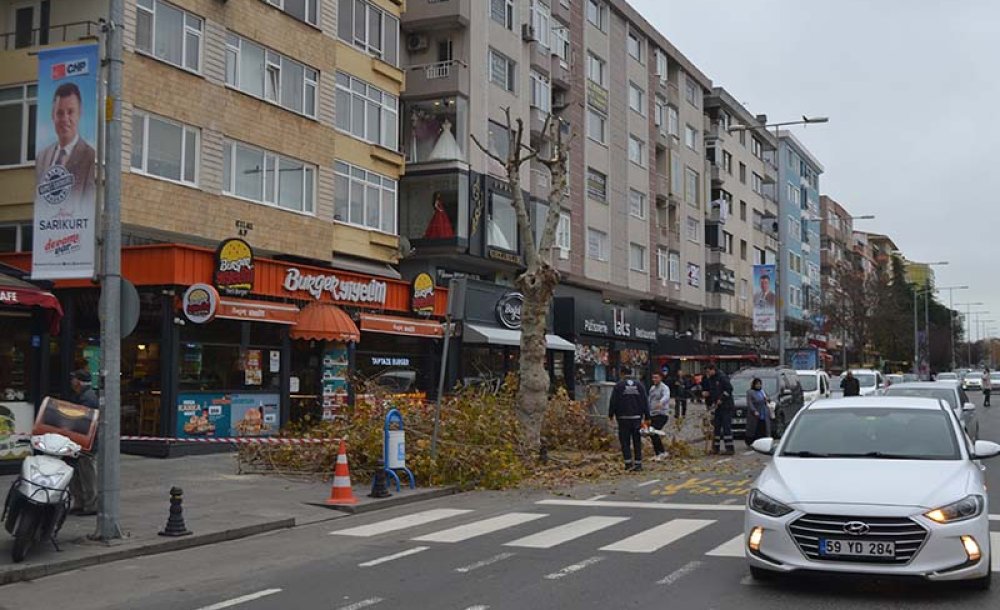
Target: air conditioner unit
<point x="528" y="32"/>
<point x="417" y="42"/>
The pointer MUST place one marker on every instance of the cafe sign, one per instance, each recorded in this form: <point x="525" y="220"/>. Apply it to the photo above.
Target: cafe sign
<point x="200" y="303"/>
<point x="234" y="268"/>
<point x="423" y="294"/>
<point x="339" y="288"/>
<point x="509" y="310"/>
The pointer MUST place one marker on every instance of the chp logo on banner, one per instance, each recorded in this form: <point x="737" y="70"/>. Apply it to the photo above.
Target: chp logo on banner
<point x="765" y="301"/>
<point x="234" y="268"/>
<point x="423" y="294"/>
<point x="66" y="163"/>
<point x="200" y="303"/>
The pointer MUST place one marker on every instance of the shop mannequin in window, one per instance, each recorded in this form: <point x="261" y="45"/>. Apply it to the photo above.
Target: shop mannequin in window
<point x="440" y="225"/>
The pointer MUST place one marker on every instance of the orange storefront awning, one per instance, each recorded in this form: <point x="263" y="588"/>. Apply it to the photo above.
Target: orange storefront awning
<point x="393" y="325"/>
<point x="325" y="322"/>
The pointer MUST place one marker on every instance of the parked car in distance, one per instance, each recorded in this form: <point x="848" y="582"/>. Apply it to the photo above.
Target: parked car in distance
<point x="815" y="384"/>
<point x="973" y="380"/>
<point x="872" y="382"/>
<point x="995" y="380"/>
<point x="949" y="391"/>
<point x="782" y="387"/>
<point x="893" y="378"/>
<point x="946" y="377"/>
<point x="910" y="377"/>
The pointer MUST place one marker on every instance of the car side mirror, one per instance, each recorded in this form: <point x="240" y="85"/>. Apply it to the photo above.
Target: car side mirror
<point x="984" y="449"/>
<point x="767" y="446"/>
<point x="968" y="407"/>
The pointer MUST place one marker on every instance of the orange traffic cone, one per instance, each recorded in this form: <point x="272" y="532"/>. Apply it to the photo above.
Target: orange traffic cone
<point x="341" y="493"/>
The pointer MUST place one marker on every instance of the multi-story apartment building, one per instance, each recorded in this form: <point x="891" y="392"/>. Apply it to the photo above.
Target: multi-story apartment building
<point x="798" y="194"/>
<point x="836" y="229"/>
<point x="740" y="151"/>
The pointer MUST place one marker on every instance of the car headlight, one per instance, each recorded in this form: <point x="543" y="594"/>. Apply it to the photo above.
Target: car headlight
<point x="766" y="505"/>
<point x="967" y="508"/>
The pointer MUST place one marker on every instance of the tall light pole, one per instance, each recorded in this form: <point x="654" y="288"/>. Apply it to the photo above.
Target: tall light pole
<point x="968" y="338"/>
<point x="971" y="325"/>
<point x="780" y="271"/>
<point x="951" y="317"/>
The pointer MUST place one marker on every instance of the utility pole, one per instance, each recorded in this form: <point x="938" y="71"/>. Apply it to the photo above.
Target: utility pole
<point x="927" y="325"/>
<point x="109" y="451"/>
<point x="951" y="319"/>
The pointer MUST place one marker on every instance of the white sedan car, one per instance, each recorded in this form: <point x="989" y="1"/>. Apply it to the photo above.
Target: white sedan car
<point x="872" y="486"/>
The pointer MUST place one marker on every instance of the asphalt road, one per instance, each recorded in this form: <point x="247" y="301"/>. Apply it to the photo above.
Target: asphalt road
<point x="669" y="537"/>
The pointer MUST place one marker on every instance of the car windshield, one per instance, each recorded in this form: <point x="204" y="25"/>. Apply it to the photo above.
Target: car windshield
<point x="974" y="375"/>
<point x="949" y="396"/>
<point x="809" y="382"/>
<point x="876" y="433"/>
<point x="994" y="376"/>
<point x="946" y="376"/>
<point x="741" y="384"/>
<point x="865" y="379"/>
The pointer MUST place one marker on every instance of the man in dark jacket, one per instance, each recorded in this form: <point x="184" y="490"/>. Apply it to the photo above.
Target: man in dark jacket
<point x="718" y="394"/>
<point x="629" y="406"/>
<point x="83" y="485"/>
<point x="850" y="385"/>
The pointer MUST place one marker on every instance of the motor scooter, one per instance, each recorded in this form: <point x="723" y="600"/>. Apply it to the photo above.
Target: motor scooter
<point x="39" y="500"/>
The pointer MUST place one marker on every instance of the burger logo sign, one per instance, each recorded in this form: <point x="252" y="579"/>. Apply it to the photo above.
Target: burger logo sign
<point x="200" y="303"/>
<point x="423" y="294"/>
<point x="234" y="268"/>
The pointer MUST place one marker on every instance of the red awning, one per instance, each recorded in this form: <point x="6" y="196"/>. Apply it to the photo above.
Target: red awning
<point x="18" y="293"/>
<point x="325" y="322"/>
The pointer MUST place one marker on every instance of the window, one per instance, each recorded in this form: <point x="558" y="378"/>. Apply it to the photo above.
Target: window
<point x="744" y="289"/>
<point x="560" y="44"/>
<point x="633" y="44"/>
<point x="662" y="264"/>
<point x="364" y="198"/>
<point x="370" y="29"/>
<point x="164" y="148"/>
<point x="636" y="257"/>
<point x="757" y="183"/>
<point x="636" y="150"/>
<point x="597" y="14"/>
<point x="691" y="137"/>
<point x="660" y="113"/>
<point x="661" y="65"/>
<point x="795" y="262"/>
<point x="564" y="234"/>
<point x="169" y="34"/>
<point x="673" y="122"/>
<point x="794" y="228"/>
<point x="727" y="243"/>
<point x="303" y="10"/>
<point x="541" y="91"/>
<point x="265" y="177"/>
<point x="727" y="162"/>
<point x="676" y="177"/>
<point x="596" y="126"/>
<point x="597" y="244"/>
<point x="743" y="210"/>
<point x="366" y="112"/>
<point x="793" y="195"/>
<point x="541" y="17"/>
<point x="595" y="69"/>
<point x="637" y="98"/>
<point x="691" y="180"/>
<point x="756" y="148"/>
<point x="502" y="11"/>
<point x="693" y="233"/>
<point x="501" y="226"/>
<point x="743" y="249"/>
<point x="674" y="267"/>
<point x="498" y="139"/>
<point x="15" y="237"/>
<point x="262" y="73"/>
<point x="743" y="172"/>
<point x="18" y="109"/>
<point x="694" y="275"/>
<point x="597" y="185"/>
<point x="502" y="70"/>
<point x="691" y="91"/>
<point x="637" y="203"/>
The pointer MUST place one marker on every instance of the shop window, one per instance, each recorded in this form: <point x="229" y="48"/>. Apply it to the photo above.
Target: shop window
<point x="396" y="365"/>
<point x="434" y="206"/>
<point x="436" y="130"/>
<point x="501" y="228"/>
<point x="228" y="355"/>
<point x="15" y="358"/>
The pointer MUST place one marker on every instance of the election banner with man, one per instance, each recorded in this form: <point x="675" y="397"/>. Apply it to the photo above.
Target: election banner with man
<point x="66" y="163"/>
<point x="765" y="301"/>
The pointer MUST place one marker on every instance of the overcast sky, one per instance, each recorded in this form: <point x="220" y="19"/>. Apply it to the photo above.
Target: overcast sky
<point x="908" y="86"/>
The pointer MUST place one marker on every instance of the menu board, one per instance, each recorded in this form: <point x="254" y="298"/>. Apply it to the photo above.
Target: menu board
<point x="221" y="415"/>
<point x="334" y="379"/>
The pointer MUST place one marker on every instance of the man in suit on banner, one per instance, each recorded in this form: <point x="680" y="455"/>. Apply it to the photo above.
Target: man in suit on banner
<point x="70" y="150"/>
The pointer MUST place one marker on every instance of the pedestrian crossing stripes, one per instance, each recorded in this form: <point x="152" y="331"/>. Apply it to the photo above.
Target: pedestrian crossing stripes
<point x="730" y="548"/>
<point x="658" y="537"/>
<point x="564" y="533"/>
<point x="480" y="528"/>
<point x="401" y="523"/>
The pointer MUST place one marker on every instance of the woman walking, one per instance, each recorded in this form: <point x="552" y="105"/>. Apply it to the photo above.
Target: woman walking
<point x="759" y="414"/>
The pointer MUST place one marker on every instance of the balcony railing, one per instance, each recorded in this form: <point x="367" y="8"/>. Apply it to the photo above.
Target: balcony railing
<point x="67" y="32"/>
<point x="441" y="69"/>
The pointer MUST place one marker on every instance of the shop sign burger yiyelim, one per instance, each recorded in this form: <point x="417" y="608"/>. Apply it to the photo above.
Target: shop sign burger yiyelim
<point x="200" y="303"/>
<point x="234" y="268"/>
<point x="339" y="289"/>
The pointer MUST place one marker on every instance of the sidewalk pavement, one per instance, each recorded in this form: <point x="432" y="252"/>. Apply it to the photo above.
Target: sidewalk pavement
<point x="219" y="505"/>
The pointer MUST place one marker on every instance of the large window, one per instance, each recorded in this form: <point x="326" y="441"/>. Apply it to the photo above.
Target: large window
<point x="370" y="29"/>
<point x="597" y="185"/>
<point x="263" y="73"/>
<point x="597" y="14"/>
<point x="168" y="33"/>
<point x="636" y="257"/>
<point x="673" y="122"/>
<point x="691" y="187"/>
<point x="691" y="137"/>
<point x="266" y="177"/>
<point x="501" y="226"/>
<point x="691" y="92"/>
<point x="502" y="11"/>
<point x="660" y="113"/>
<point x="693" y="230"/>
<point x="661" y="65"/>
<point x="597" y="125"/>
<point x="303" y="10"/>
<point x="637" y="98"/>
<point x="502" y="70"/>
<point x="15" y="237"/>
<point x="633" y="44"/>
<point x="541" y="16"/>
<point x="18" y="109"/>
<point x="367" y="112"/>
<point x="595" y="69"/>
<point x="674" y="267"/>
<point x="364" y="198"/>
<point x="164" y="148"/>
<point x="541" y="91"/>
<point x="597" y="244"/>
<point x="756" y="148"/>
<point x="636" y="150"/>
<point x="662" y="258"/>
<point x="637" y="203"/>
<point x="560" y="44"/>
<point x="757" y="183"/>
<point x="498" y="139"/>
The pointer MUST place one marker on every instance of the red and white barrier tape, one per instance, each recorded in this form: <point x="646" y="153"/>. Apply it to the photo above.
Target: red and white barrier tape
<point x="237" y="440"/>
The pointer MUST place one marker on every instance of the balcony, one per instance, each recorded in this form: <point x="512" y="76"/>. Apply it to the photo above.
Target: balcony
<point x="52" y="35"/>
<point x="673" y="94"/>
<point x="561" y="12"/>
<point x="662" y="138"/>
<point x="718" y="175"/>
<point x="662" y="185"/>
<point x="421" y="15"/>
<point x="441" y="78"/>
<point x="541" y="184"/>
<point x="715" y="214"/>
<point x="537" y="120"/>
<point x="559" y="73"/>
<point x="713" y="256"/>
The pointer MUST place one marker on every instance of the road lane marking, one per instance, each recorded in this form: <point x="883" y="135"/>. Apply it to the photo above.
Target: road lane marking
<point x="576" y="567"/>
<point x="626" y="504"/>
<point x="653" y="482"/>
<point x="598" y="497"/>
<point x="994" y="517"/>
<point x="401" y="523"/>
<point x="730" y="548"/>
<point x="658" y="537"/>
<point x="478" y="608"/>
<point x="480" y="528"/>
<point x="365" y="603"/>
<point x="485" y="562"/>
<point x="229" y="603"/>
<point x="549" y="538"/>
<point x="399" y="555"/>
<point x="995" y="551"/>
<point x="679" y="573"/>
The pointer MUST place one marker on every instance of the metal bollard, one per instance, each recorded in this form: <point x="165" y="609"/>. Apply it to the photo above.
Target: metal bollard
<point x="380" y="487"/>
<point x="175" y="522"/>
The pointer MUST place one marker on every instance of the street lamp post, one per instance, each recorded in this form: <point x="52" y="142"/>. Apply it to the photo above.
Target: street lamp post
<point x="971" y="326"/>
<point x="927" y="289"/>
<point x="780" y="272"/>
<point x="968" y="344"/>
<point x="951" y="318"/>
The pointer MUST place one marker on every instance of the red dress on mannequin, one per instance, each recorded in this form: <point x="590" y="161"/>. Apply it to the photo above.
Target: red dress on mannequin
<point x="440" y="226"/>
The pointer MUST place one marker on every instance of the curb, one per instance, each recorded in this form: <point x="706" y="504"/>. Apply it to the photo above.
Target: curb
<point x="154" y="548"/>
<point x="396" y="500"/>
